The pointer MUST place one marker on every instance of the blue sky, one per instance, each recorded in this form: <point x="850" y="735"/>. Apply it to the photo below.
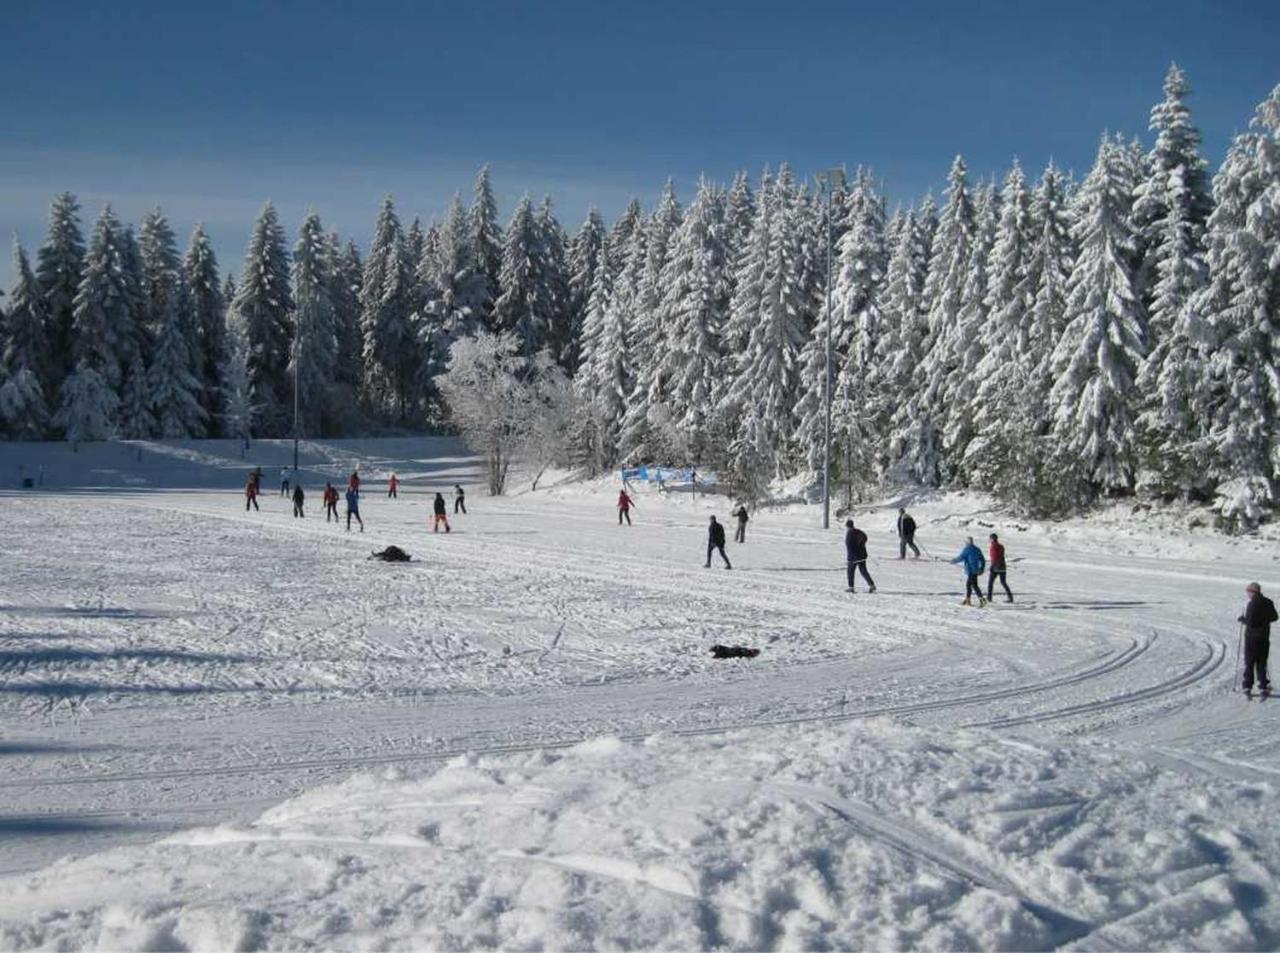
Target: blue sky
<point x="208" y="110"/>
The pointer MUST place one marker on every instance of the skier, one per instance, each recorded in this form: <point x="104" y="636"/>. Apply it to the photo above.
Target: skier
<point x="284" y="482"/>
<point x="353" y="481"/>
<point x="855" y="551"/>
<point x="353" y="508"/>
<point x="971" y="558"/>
<point x="998" y="568"/>
<point x="298" y="497"/>
<point x="331" y="503"/>
<point x="715" y="540"/>
<point x="440" y="515"/>
<point x="459" y="500"/>
<point x="1259" y="613"/>
<point x="906" y="534"/>
<point x="740" y="535"/>
<point x="392" y="486"/>
<point x="251" y="494"/>
<point x="624" y="507"/>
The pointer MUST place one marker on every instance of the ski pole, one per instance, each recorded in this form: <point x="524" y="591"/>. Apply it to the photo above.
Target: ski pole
<point x="1237" y="672"/>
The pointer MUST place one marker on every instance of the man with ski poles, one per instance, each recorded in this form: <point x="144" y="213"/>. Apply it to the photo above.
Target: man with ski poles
<point x="1259" y="613"/>
<point x="855" y="551"/>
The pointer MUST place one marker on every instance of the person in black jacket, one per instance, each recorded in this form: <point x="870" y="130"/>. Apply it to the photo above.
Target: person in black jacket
<point x="439" y="514"/>
<point x="459" y="500"/>
<point x="715" y="540"/>
<point x="298" y="497"/>
<point x="855" y="550"/>
<point x="740" y="514"/>
<point x="1259" y="613"/>
<point x="906" y="534"/>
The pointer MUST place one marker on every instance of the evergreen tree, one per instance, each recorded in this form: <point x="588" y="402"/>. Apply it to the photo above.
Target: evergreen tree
<point x="59" y="266"/>
<point x="345" y="276"/>
<point x="173" y="390"/>
<point x="137" y="415"/>
<point x="740" y="210"/>
<point x="693" y="309"/>
<point x="516" y="311"/>
<point x="89" y="406"/>
<point x="264" y="304"/>
<point x="106" y="334"/>
<point x="239" y="406"/>
<point x="612" y="375"/>
<point x="906" y="331"/>
<point x="1104" y="342"/>
<point x="208" y="309"/>
<point x="620" y="236"/>
<point x="486" y="250"/>
<point x="315" y="346"/>
<point x="551" y="284"/>
<point x="391" y="346"/>
<point x="583" y="257"/>
<point x="27" y="352"/>
<point x="160" y="283"/>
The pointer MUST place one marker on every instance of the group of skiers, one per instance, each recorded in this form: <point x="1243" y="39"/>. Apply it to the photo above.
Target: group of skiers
<point x="289" y="488"/>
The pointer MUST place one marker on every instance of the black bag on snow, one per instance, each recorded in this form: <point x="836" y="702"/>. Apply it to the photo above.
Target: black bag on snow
<point x="392" y="554"/>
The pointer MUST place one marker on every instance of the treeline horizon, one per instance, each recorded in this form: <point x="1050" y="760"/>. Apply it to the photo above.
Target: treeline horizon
<point x="1051" y="341"/>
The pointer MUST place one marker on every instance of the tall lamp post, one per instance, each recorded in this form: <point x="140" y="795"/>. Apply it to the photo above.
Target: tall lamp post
<point x="830" y="180"/>
<point x="297" y="359"/>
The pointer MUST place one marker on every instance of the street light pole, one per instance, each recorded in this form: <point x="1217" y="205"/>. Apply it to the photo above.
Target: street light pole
<point x="297" y="359"/>
<point x="832" y="179"/>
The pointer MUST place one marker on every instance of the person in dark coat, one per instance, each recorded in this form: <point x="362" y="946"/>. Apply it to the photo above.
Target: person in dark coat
<point x="996" y="568"/>
<point x="715" y="540"/>
<point x="298" y="498"/>
<point x="1259" y="613"/>
<point x="353" y="509"/>
<point x="440" y="515"/>
<point x="740" y="514"/>
<point x="459" y="500"/>
<point x="906" y="534"/>
<point x="855" y="551"/>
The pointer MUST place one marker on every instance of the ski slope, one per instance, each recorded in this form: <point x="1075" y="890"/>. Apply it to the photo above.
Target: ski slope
<point x="244" y="733"/>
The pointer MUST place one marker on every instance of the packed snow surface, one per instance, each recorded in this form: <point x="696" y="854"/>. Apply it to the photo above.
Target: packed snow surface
<point x="239" y="732"/>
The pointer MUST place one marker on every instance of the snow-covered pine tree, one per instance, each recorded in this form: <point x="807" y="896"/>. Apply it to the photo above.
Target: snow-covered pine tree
<point x="965" y="347"/>
<point x="516" y="310"/>
<point x="137" y="413"/>
<point x="692" y="310"/>
<point x="161" y="274"/>
<point x="551" y="283"/>
<point x="89" y="406"/>
<point x="740" y="210"/>
<point x="1175" y="176"/>
<point x="748" y="275"/>
<point x="1053" y="256"/>
<point x="264" y="303"/>
<point x="27" y="365"/>
<point x="583" y="256"/>
<point x="624" y="227"/>
<point x="1243" y="389"/>
<point x="208" y="311"/>
<point x="415" y="249"/>
<point x="345" y="276"/>
<point x="239" y="406"/>
<point x="767" y="377"/>
<point x="906" y="329"/>
<point x="315" y="344"/>
<point x="588" y="440"/>
<point x="1104" y="342"/>
<point x="59" y="266"/>
<point x="646" y="428"/>
<point x="485" y="244"/>
<point x="391" y="346"/>
<point x="106" y="335"/>
<point x="173" y="390"/>
<point x="613" y="376"/>
<point x="857" y="326"/>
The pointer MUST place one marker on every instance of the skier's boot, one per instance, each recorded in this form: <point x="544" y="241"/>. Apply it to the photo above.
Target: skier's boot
<point x="851" y="590"/>
<point x="982" y="603"/>
<point x="966" y="602"/>
<point x="872" y="589"/>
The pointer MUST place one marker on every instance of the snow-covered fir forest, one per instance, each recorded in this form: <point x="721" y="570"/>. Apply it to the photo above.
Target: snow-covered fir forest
<point x="1050" y="339"/>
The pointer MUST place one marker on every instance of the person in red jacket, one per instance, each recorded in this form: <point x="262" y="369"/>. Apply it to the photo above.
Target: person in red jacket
<point x="624" y="507"/>
<point x="331" y="503"/>
<point x="392" y="486"/>
<point x="251" y="494"/>
<point x="353" y="482"/>
<point x="998" y="569"/>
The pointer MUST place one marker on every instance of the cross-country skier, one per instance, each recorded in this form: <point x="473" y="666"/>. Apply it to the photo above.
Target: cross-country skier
<point x="393" y="485"/>
<point x="998" y="568"/>
<point x="971" y="558"/>
<point x="298" y="497"/>
<point x="284" y="482"/>
<point x="1259" y="613"/>
<point x="331" y="503"/>
<point x="740" y="514"/>
<point x="459" y="500"/>
<point x="715" y="540"/>
<point x="624" y="507"/>
<point x="353" y="509"/>
<point x="353" y="481"/>
<point x="440" y="516"/>
<point x="855" y="551"/>
<point x="906" y="534"/>
<point x="251" y="494"/>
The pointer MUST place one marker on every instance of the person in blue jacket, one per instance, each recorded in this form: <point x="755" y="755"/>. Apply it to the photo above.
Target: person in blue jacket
<point x="972" y="559"/>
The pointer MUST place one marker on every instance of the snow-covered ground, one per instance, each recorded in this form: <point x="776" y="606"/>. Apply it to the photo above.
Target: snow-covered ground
<point x="520" y="740"/>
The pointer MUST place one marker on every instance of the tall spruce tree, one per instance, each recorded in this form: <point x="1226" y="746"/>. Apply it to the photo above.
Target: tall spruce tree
<point x="391" y="347"/>
<point x="486" y="247"/>
<point x="264" y="304"/>
<point x="27" y="366"/>
<point x="208" y="311"/>
<point x="59" y="267"/>
<point x="583" y="258"/>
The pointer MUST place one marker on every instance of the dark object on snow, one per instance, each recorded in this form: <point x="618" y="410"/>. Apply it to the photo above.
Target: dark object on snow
<point x="392" y="554"/>
<point x="733" y="651"/>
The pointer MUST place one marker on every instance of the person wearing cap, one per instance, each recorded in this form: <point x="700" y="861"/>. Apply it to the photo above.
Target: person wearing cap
<point x="855" y="551"/>
<point x="1259" y="613"/>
